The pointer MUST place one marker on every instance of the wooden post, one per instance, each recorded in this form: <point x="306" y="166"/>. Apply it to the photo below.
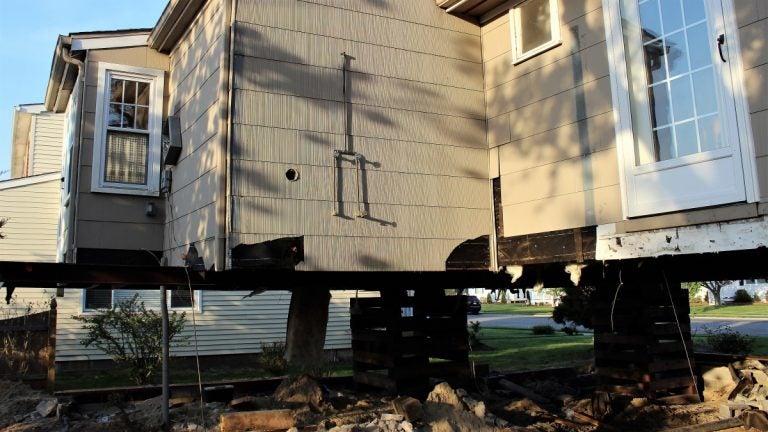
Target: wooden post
<point x="307" y="323"/>
<point x="51" y="377"/>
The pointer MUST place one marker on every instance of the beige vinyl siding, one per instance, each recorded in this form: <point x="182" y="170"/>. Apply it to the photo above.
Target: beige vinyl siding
<point x="196" y="79"/>
<point x="752" y="20"/>
<point x="416" y="115"/>
<point x="551" y="119"/>
<point x="227" y="324"/>
<point x="31" y="206"/>
<point x="47" y="140"/>
<point x="105" y="220"/>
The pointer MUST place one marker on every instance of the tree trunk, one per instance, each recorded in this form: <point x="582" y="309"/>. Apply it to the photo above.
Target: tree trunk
<point x="307" y="323"/>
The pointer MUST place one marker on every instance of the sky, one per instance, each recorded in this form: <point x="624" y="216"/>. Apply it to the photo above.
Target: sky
<point x="29" y="30"/>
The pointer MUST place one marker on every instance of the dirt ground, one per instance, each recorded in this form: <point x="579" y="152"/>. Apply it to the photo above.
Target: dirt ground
<point x="562" y="405"/>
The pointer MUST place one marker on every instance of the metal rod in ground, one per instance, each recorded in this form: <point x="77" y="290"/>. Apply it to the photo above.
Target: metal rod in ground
<point x="166" y="385"/>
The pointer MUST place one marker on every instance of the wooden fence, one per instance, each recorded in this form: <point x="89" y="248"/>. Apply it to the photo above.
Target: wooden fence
<point x="28" y="344"/>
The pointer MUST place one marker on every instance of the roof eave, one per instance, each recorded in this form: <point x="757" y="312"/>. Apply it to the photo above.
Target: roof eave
<point x="173" y="23"/>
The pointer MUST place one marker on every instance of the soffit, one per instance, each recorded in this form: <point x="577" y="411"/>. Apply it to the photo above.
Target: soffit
<point x="480" y="9"/>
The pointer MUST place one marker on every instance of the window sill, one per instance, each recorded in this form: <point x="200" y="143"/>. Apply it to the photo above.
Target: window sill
<point x="125" y="191"/>
<point x="535" y="52"/>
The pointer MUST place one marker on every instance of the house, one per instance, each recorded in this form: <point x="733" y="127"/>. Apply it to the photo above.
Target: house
<point x="29" y="200"/>
<point x="584" y="137"/>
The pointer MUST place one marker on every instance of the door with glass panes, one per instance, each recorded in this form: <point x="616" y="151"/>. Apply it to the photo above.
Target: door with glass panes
<point x="685" y="145"/>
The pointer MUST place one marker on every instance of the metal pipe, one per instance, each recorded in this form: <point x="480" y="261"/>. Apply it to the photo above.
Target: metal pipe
<point x="358" y="167"/>
<point x="335" y="183"/>
<point x="74" y="180"/>
<point x="166" y="354"/>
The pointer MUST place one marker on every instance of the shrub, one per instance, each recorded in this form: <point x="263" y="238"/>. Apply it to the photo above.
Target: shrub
<point x="488" y="298"/>
<point x="742" y="296"/>
<point x="504" y="296"/>
<point x="726" y="340"/>
<point x="756" y="298"/>
<point x="474" y="333"/>
<point x="272" y="358"/>
<point x="543" y="330"/>
<point x="132" y="335"/>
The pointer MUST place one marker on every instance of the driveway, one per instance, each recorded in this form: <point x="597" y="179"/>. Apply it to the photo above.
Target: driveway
<point x="748" y="326"/>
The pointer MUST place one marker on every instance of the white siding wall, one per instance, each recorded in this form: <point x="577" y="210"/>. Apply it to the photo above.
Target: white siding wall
<point x="227" y="324"/>
<point x="31" y="206"/>
<point x="46" y="138"/>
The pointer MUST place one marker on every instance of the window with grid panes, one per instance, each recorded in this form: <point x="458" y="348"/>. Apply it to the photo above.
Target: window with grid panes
<point x="128" y="130"/>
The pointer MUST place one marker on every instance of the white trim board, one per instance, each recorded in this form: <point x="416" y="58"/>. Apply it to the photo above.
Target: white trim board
<point x="26" y="181"/>
<point x="79" y="44"/>
<point x="696" y="239"/>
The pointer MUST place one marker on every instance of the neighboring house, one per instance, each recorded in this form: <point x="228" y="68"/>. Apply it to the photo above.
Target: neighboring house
<point x="386" y="134"/>
<point x="29" y="200"/>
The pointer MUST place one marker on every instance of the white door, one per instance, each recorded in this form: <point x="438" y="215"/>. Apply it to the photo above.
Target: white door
<point x="685" y="143"/>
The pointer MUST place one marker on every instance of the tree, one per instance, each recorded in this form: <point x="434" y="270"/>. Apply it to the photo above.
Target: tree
<point x="715" y="287"/>
<point x="132" y="335"/>
<point x="694" y="288"/>
<point x="575" y="306"/>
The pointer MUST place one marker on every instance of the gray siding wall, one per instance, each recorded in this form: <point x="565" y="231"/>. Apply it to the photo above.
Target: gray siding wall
<point x="416" y="114"/>
<point x="195" y="81"/>
<point x="551" y="125"/>
<point x="113" y="221"/>
<point x="47" y="139"/>
<point x="752" y="19"/>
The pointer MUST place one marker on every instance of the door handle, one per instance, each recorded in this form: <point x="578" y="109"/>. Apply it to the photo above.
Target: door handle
<point x="720" y="43"/>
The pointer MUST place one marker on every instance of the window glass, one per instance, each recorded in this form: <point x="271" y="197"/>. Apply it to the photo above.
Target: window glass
<point x="535" y="27"/>
<point x="126" y="157"/>
<point x="98" y="299"/>
<point x="181" y="298"/>
<point x="535" y="24"/>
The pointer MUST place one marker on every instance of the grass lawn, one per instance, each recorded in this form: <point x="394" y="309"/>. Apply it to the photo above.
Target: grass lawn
<point x="519" y="349"/>
<point x="516" y="309"/>
<point x="758" y="310"/>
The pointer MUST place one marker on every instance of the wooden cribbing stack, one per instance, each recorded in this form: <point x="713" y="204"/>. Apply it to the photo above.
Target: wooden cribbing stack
<point x="399" y="340"/>
<point x="641" y="344"/>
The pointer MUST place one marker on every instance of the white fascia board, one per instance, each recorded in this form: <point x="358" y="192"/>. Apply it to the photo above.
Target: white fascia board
<point x="26" y="181"/>
<point x="744" y="234"/>
<point x="79" y="44"/>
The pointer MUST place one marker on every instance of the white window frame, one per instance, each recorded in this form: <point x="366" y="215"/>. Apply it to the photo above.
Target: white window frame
<point x="156" y="78"/>
<point x="625" y="140"/>
<point x="198" y="302"/>
<point x="518" y="56"/>
<point x="87" y="309"/>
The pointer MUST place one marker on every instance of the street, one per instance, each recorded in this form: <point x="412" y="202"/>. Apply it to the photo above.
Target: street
<point x="748" y="326"/>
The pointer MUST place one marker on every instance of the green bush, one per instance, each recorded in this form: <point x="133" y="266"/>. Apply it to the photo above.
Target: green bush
<point x="543" y="330"/>
<point x="488" y="298"/>
<point x="742" y="296"/>
<point x="272" y="358"/>
<point x="756" y="298"/>
<point x="728" y="341"/>
<point x="132" y="335"/>
<point x="474" y="334"/>
<point x="503" y="296"/>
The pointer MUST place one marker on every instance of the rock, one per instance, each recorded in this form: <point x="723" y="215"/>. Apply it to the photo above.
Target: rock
<point x="749" y="364"/>
<point x="408" y="407"/>
<point x="364" y="404"/>
<point x="718" y="382"/>
<point x="301" y="389"/>
<point x="405" y="426"/>
<point x="444" y="394"/>
<point x="293" y="429"/>
<point x="179" y="401"/>
<point x="391" y="417"/>
<point x="46" y="407"/>
<point x="148" y="414"/>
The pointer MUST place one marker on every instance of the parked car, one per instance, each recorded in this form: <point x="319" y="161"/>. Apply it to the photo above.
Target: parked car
<point x="473" y="305"/>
